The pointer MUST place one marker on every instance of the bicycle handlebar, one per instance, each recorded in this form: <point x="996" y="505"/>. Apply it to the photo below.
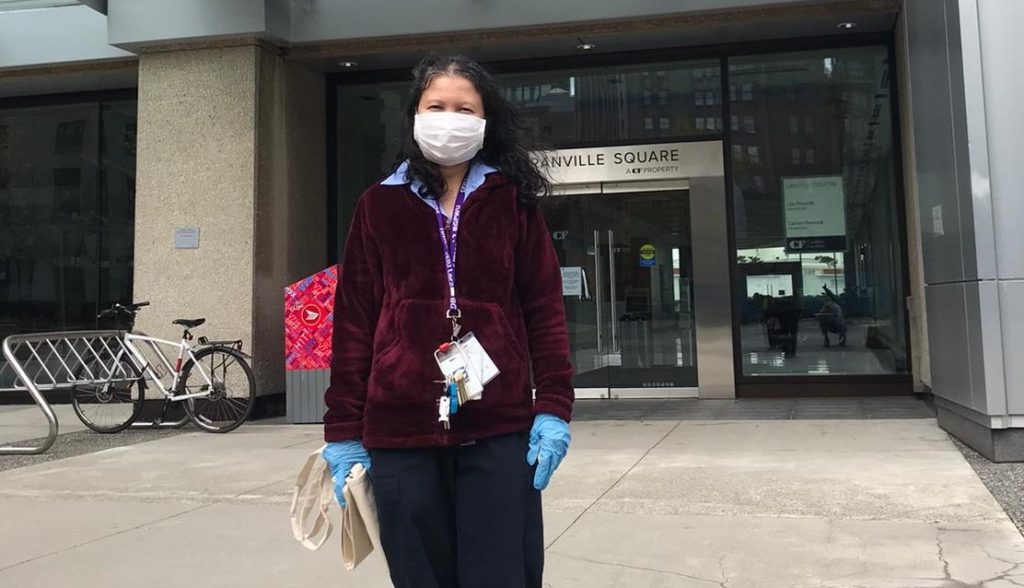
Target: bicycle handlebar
<point x="118" y="308"/>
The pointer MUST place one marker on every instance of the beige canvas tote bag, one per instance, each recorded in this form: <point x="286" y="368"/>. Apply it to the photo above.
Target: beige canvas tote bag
<point x="311" y="505"/>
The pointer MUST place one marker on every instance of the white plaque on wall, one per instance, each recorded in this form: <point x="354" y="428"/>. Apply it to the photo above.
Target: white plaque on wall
<point x="186" y="238"/>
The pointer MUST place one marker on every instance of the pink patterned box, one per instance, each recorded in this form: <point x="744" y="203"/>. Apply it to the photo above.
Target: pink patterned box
<point x="309" y="321"/>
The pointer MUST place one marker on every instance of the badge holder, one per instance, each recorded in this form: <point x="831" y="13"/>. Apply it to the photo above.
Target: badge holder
<point x="466" y="368"/>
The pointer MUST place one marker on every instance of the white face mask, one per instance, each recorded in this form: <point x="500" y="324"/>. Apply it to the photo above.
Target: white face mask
<point x="449" y="138"/>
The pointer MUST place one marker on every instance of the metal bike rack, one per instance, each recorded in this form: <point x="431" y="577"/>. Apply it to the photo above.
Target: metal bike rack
<point x="59" y="361"/>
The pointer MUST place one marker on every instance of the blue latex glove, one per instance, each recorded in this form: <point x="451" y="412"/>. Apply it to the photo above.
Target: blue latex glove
<point x="341" y="456"/>
<point x="549" y="441"/>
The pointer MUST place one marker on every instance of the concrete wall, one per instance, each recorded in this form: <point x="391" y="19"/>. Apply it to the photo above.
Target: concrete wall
<point x="291" y="199"/>
<point x="195" y="167"/>
<point x="231" y="142"/>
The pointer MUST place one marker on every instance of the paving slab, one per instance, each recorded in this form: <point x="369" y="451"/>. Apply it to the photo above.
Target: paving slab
<point x="32" y="529"/>
<point x="19" y="422"/>
<point x="826" y="503"/>
<point x="691" y="550"/>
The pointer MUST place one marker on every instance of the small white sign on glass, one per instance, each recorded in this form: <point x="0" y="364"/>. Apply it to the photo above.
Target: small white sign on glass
<point x="574" y="282"/>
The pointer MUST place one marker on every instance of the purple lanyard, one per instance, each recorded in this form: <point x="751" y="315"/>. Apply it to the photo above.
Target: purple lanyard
<point x="449" y="246"/>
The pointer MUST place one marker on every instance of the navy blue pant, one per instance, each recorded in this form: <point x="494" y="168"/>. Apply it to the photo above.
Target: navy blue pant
<point x="460" y="517"/>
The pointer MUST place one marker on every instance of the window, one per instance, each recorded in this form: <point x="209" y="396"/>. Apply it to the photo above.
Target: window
<point x="664" y="123"/>
<point x="595" y="105"/>
<point x="850" y="281"/>
<point x="737" y="152"/>
<point x="748" y="124"/>
<point x="753" y="154"/>
<point x="748" y="92"/>
<point x="710" y="99"/>
<point x="735" y="120"/>
<point x="648" y="123"/>
<point x="698" y="99"/>
<point x="67" y="205"/>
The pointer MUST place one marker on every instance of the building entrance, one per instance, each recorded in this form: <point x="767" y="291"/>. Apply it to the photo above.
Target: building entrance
<point x="644" y="269"/>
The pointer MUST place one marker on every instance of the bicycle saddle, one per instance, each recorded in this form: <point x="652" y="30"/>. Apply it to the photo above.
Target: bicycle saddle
<point x="189" y="323"/>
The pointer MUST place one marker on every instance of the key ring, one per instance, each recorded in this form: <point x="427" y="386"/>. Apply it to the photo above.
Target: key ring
<point x="454" y="316"/>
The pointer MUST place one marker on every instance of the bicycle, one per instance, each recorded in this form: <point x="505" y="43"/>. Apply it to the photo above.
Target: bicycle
<point x="216" y="401"/>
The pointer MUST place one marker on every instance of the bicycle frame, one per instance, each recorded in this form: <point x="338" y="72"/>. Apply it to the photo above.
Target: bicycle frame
<point x="141" y="362"/>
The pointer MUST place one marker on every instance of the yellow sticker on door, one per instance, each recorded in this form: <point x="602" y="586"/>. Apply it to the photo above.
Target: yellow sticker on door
<point x="647" y="255"/>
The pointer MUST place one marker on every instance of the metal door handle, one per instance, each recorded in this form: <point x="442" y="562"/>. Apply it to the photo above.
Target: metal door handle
<point x="611" y="289"/>
<point x="597" y="286"/>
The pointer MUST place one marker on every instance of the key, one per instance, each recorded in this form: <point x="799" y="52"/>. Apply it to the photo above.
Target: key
<point x="453" y="398"/>
<point x="456" y="329"/>
<point x="460" y="385"/>
<point x="443" y="410"/>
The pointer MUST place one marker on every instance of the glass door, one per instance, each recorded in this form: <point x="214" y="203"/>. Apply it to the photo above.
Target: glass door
<point x="627" y="284"/>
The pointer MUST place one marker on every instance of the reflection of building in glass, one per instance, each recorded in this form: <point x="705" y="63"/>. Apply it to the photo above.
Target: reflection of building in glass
<point x="596" y="107"/>
<point x="67" y="207"/>
<point x="825" y="114"/>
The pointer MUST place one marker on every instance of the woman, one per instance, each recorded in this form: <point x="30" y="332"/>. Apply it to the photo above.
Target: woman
<point x="452" y="243"/>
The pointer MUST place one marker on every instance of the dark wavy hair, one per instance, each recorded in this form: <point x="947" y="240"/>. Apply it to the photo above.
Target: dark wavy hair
<point x="506" y="143"/>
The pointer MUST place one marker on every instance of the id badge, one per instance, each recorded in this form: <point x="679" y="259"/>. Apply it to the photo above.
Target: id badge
<point x="477" y="356"/>
<point x="467" y="362"/>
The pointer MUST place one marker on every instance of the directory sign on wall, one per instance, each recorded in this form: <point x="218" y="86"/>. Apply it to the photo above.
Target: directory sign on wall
<point x="815" y="214"/>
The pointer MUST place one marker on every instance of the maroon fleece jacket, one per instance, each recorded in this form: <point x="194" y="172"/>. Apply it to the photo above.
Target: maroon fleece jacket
<point x="389" y="317"/>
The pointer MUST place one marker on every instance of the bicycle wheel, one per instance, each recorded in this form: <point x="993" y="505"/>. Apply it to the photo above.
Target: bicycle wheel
<point x="228" y="402"/>
<point x="112" y="405"/>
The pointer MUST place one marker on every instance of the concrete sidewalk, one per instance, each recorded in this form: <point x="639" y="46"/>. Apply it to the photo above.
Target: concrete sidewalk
<point x="641" y="504"/>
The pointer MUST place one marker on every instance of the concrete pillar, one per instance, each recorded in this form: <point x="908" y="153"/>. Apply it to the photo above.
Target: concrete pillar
<point x="231" y="142"/>
<point x="968" y="130"/>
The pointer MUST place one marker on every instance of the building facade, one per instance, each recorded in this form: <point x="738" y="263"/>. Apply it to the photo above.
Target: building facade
<point x="750" y="198"/>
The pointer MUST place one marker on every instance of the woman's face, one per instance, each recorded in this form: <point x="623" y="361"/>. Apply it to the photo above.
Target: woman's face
<point x="448" y="93"/>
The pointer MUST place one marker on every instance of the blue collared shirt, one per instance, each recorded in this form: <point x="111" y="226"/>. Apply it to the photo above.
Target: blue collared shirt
<point x="475" y="177"/>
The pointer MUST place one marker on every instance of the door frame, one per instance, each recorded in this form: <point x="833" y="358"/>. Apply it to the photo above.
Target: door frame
<point x="702" y="173"/>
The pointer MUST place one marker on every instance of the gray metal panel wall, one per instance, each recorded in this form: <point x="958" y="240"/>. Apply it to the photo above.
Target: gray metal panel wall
<point x="305" y="395"/>
<point x="1011" y="296"/>
<point x="1000" y="46"/>
<point x="318" y="21"/>
<point x="135" y="23"/>
<point x="948" y="342"/>
<point x="49" y="36"/>
<point x="712" y="290"/>
<point x="936" y="138"/>
<point x="969" y="135"/>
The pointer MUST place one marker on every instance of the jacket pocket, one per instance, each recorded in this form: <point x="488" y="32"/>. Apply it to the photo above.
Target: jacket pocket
<point x="404" y="367"/>
<point x="490" y="325"/>
<point x="386" y="337"/>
